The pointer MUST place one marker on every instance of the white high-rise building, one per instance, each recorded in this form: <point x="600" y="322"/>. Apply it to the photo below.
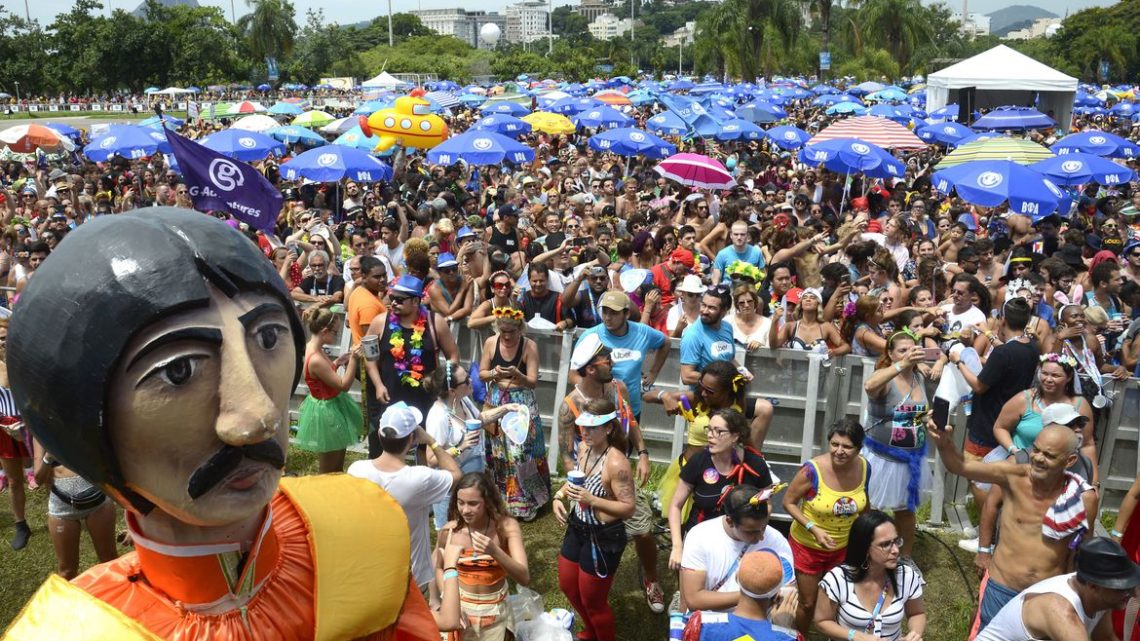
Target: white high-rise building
<point x="608" y="26"/>
<point x="460" y="23"/>
<point x="526" y="22"/>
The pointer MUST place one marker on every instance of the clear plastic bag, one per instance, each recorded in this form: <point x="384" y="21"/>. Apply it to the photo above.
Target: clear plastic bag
<point x="540" y="630"/>
<point x="526" y="605"/>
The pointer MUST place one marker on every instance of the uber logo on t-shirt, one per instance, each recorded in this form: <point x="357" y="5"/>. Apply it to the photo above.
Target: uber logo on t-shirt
<point x="622" y="354"/>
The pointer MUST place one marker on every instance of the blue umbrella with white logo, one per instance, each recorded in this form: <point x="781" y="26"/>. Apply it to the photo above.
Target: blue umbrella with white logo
<point x="601" y="118"/>
<point x="290" y="134"/>
<point x="788" y="137"/>
<point x="503" y="125"/>
<point x="946" y="133"/>
<point x="992" y="182"/>
<point x="853" y="156"/>
<point x="739" y="129"/>
<point x="334" y="162"/>
<point x="1097" y="143"/>
<point x="667" y="123"/>
<point x="127" y="141"/>
<point x="285" y="109"/>
<point x="1013" y="118"/>
<point x="1078" y="169"/>
<point x="480" y="148"/>
<point x="627" y="141"/>
<point x="505" y="107"/>
<point x="243" y="145"/>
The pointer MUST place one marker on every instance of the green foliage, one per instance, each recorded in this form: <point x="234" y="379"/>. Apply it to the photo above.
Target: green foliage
<point x="871" y="64"/>
<point x="269" y="29"/>
<point x="571" y="27"/>
<point x="445" y="56"/>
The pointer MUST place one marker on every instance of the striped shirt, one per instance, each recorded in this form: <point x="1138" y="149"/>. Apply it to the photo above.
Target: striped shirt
<point x="853" y="615"/>
<point x="7" y="403"/>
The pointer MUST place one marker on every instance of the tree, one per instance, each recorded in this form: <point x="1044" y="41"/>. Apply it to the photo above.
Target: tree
<point x="315" y="49"/>
<point x="270" y="28"/>
<point x="748" y="34"/>
<point x="571" y="27"/>
<point x="901" y="25"/>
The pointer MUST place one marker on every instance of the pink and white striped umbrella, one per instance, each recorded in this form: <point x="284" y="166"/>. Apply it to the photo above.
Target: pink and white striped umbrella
<point x="696" y="170"/>
<point x="887" y="134"/>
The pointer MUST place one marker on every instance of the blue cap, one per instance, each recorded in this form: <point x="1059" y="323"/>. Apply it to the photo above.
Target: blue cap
<point x="446" y="259"/>
<point x="409" y="285"/>
<point x="464" y="232"/>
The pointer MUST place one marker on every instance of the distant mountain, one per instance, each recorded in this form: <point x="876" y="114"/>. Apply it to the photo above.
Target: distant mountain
<point x="140" y="11"/>
<point x="1014" y="17"/>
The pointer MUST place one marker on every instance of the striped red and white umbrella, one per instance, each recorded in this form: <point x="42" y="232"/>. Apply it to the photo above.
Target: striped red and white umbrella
<point x="25" y="139"/>
<point x="613" y="98"/>
<point x="880" y="131"/>
<point x="696" y="170"/>
<point x="245" y="107"/>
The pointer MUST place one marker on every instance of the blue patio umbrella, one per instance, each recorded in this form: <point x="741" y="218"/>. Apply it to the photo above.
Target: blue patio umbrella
<point x="705" y="126"/>
<point x="472" y="100"/>
<point x="946" y="133"/>
<point x="846" y="108"/>
<point x="760" y="112"/>
<point x="788" y="137"/>
<point x="243" y="145"/>
<point x="853" y="156"/>
<point x="127" y="141"/>
<point x="66" y="130"/>
<point x="503" y="125"/>
<point x="445" y="99"/>
<point x="739" y="129"/>
<point x="170" y="122"/>
<point x="263" y="87"/>
<point x="570" y="106"/>
<point x="1077" y="169"/>
<point x="601" y="118"/>
<point x="889" y="94"/>
<point x="1124" y="109"/>
<point x="1097" y="143"/>
<point x="640" y="97"/>
<point x="505" y="107"/>
<point x="627" y="141"/>
<point x="1085" y="99"/>
<point x="293" y="134"/>
<point x="991" y="182"/>
<point x="1013" y="118"/>
<point x="355" y="138"/>
<point x="285" y="109"/>
<point x="667" y="123"/>
<point x="334" y="162"/>
<point x="820" y="90"/>
<point x="480" y="148"/>
<point x="681" y="85"/>
<point x="370" y="107"/>
<point x="891" y="112"/>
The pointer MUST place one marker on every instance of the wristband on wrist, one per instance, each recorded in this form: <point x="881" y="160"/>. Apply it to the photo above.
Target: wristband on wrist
<point x="851" y="635"/>
<point x="987" y="549"/>
<point x="809" y="525"/>
<point x="645" y="452"/>
<point x="1116" y="534"/>
<point x="450" y="574"/>
<point x="898" y="368"/>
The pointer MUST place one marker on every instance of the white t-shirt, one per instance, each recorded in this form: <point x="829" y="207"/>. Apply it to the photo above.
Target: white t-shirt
<point x="392" y="257"/>
<point x="450" y="433"/>
<point x="415" y="488"/>
<point x="709" y="549"/>
<point x="854" y="616"/>
<point x="968" y="318"/>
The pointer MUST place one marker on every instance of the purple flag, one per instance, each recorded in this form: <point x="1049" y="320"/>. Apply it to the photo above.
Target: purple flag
<point x="218" y="183"/>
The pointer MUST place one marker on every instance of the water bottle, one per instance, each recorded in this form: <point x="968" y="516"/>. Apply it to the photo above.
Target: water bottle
<point x="968" y="405"/>
<point x="676" y="626"/>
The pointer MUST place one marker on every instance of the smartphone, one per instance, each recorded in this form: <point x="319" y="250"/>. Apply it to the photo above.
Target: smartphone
<point x="581" y="241"/>
<point x="931" y="353"/>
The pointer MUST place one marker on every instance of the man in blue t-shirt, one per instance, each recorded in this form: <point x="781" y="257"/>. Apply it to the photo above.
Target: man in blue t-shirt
<point x="739" y="249"/>
<point x="709" y="340"/>
<point x="629" y="344"/>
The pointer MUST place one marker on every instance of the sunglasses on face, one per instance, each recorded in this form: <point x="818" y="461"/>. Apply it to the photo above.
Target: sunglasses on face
<point x="400" y="300"/>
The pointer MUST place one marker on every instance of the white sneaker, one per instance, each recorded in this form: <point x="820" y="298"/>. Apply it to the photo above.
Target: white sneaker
<point x="969" y="545"/>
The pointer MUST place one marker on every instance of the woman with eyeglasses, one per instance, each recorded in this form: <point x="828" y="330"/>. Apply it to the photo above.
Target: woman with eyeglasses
<point x="509" y="366"/>
<point x="873" y="593"/>
<point x="749" y="325"/>
<point x="328" y="421"/>
<point x="452" y="419"/>
<point x="726" y="461"/>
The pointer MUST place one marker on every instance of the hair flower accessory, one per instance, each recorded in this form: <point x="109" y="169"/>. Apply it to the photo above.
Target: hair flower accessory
<point x="849" y="309"/>
<point x="767" y="493"/>
<point x="509" y="313"/>
<point x="1060" y="359"/>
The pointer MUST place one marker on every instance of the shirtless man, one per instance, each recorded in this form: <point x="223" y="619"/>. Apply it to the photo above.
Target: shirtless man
<point x="1030" y="550"/>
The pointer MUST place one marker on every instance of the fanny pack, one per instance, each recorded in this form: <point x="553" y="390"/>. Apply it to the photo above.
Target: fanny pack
<point x="85" y="500"/>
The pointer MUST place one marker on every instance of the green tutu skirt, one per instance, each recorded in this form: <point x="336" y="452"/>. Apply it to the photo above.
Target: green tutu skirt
<point x="328" y="425"/>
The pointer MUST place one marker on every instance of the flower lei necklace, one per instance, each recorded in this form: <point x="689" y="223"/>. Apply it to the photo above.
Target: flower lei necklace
<point x="409" y="363"/>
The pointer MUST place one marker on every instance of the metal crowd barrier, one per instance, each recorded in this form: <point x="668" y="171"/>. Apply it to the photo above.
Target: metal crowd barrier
<point x="809" y="393"/>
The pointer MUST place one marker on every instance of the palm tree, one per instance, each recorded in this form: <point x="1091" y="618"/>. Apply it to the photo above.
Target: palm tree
<point x="269" y="28"/>
<point x="823" y="13"/>
<point x="747" y="36"/>
<point x="897" y="24"/>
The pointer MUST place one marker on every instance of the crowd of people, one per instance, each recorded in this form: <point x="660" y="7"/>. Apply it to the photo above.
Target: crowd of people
<point x="1020" y="324"/>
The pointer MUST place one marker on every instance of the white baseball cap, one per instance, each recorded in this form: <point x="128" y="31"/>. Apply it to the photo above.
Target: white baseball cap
<point x="401" y="418"/>
<point x="1060" y="414"/>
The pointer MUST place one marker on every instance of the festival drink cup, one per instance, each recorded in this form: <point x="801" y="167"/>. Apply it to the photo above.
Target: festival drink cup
<point x="578" y="478"/>
<point x="371" y="345"/>
<point x="473" y="425"/>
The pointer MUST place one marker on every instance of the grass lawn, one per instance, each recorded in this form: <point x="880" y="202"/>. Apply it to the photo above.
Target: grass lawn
<point x="948" y="603"/>
<point x="94" y="115"/>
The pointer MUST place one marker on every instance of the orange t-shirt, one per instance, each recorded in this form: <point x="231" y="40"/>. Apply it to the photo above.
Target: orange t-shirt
<point x="363" y="306"/>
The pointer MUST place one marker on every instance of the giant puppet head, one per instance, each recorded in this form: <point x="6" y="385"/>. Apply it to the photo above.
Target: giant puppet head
<point x="154" y="353"/>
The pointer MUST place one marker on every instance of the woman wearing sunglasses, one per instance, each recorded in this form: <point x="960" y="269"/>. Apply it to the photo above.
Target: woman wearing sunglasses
<point x="502" y="295"/>
<point x="870" y="596"/>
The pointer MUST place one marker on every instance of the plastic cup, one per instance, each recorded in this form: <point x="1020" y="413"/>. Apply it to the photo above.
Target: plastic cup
<point x="371" y="344"/>
<point x="576" y="477"/>
<point x="473" y="425"/>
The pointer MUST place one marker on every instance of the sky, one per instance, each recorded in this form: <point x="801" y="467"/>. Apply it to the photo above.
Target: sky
<point x="352" y="11"/>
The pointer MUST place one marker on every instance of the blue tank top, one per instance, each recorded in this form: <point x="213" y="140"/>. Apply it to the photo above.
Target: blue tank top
<point x="725" y="626"/>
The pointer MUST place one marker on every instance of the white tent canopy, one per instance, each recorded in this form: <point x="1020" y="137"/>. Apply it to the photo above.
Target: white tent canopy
<point x="385" y="80"/>
<point x="1004" y="76"/>
<point x="171" y="91"/>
